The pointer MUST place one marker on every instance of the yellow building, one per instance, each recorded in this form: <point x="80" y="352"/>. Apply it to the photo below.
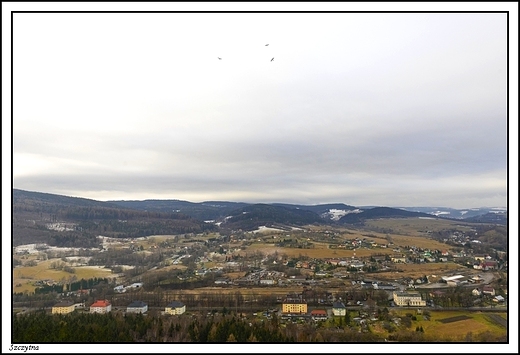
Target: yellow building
<point x="294" y="306"/>
<point x="63" y="308"/>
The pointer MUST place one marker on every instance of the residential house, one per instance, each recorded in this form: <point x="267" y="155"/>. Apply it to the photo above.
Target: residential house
<point x="488" y="265"/>
<point x="100" y="306"/>
<point x="398" y="259"/>
<point x="267" y="282"/>
<point x="119" y="289"/>
<point x="175" y="308"/>
<point x="453" y="283"/>
<point x="137" y="307"/>
<point x="437" y="293"/>
<point x="222" y="281"/>
<point x="297" y="280"/>
<point x="499" y="299"/>
<point x="476" y="292"/>
<point x="339" y="309"/>
<point x="357" y="264"/>
<point x="476" y="279"/>
<point x="333" y="261"/>
<point x="488" y="290"/>
<point x="319" y="314"/>
<point x="408" y="299"/>
<point x="63" y="307"/>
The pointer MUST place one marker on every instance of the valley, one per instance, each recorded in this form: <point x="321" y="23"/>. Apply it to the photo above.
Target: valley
<point x="248" y="270"/>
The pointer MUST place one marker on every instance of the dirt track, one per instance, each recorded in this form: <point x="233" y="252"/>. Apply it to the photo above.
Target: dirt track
<point x="498" y="320"/>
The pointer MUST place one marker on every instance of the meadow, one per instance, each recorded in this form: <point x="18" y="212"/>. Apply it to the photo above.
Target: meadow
<point x="420" y="270"/>
<point x="23" y="277"/>
<point x="416" y="226"/>
<point x="441" y="324"/>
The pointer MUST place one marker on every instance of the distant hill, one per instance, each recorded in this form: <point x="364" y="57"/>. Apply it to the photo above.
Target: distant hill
<point x="253" y="216"/>
<point x="204" y="211"/>
<point x="380" y="212"/>
<point x="66" y="221"/>
<point x="496" y="218"/>
<point x="38" y="200"/>
<point x="456" y="213"/>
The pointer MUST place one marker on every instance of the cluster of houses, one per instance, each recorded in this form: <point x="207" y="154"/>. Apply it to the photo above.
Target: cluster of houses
<point x="104" y="306"/>
<point x="122" y="289"/>
<point x="295" y="306"/>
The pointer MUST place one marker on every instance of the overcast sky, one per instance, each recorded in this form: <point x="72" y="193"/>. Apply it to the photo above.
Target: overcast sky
<point x="394" y="109"/>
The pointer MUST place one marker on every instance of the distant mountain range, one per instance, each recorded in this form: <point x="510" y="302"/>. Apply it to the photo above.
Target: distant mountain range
<point x="33" y="211"/>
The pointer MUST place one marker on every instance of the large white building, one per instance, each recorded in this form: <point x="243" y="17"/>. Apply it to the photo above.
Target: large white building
<point x="175" y="307"/>
<point x="137" y="307"/>
<point x="412" y="299"/>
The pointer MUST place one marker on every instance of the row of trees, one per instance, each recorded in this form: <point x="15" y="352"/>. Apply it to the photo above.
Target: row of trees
<point x="42" y="327"/>
<point x="85" y="327"/>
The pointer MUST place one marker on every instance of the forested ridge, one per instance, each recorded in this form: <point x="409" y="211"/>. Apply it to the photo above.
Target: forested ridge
<point x="76" y="222"/>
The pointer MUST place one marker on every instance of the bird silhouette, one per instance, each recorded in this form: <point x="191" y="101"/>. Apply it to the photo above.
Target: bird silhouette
<point x="267" y="44"/>
<point x="219" y="58"/>
<point x="272" y="59"/>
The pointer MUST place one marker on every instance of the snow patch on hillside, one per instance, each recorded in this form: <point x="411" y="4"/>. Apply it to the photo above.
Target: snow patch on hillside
<point x="335" y="214"/>
<point x="263" y="229"/>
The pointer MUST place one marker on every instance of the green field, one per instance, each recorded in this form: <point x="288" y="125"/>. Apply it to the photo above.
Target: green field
<point x="445" y="324"/>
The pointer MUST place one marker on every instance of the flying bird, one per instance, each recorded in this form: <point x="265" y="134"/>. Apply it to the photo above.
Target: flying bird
<point x="267" y="44"/>
<point x="219" y="58"/>
<point x="272" y="59"/>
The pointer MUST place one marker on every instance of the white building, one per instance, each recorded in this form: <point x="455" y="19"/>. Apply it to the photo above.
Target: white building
<point x="137" y="307"/>
<point x="100" y="306"/>
<point x="266" y="282"/>
<point x="175" y="308"/>
<point x="339" y="309"/>
<point x="411" y="299"/>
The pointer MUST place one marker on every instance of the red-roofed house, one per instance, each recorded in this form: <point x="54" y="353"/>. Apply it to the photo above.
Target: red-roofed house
<point x="488" y="290"/>
<point x="488" y="265"/>
<point x="319" y="314"/>
<point x="100" y="306"/>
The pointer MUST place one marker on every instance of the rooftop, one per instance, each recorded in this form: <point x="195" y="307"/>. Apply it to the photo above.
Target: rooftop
<point x="137" y="304"/>
<point x="176" y="304"/>
<point x="100" y="303"/>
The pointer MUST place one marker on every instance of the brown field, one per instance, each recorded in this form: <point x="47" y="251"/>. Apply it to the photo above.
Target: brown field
<point x="243" y="290"/>
<point x="453" y="319"/>
<point x="459" y="324"/>
<point x="420" y="242"/>
<point x="235" y="275"/>
<point x="26" y="275"/>
<point x="317" y="252"/>
<point x="405" y="232"/>
<point x="417" y="226"/>
<point x="478" y="323"/>
<point x="419" y="270"/>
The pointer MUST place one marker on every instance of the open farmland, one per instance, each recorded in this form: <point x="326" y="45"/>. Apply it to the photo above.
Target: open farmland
<point x="419" y="270"/>
<point x="420" y="242"/>
<point x="457" y="330"/>
<point x="416" y="226"/>
<point x="456" y="326"/>
<point x="24" y="276"/>
<point x="317" y="252"/>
